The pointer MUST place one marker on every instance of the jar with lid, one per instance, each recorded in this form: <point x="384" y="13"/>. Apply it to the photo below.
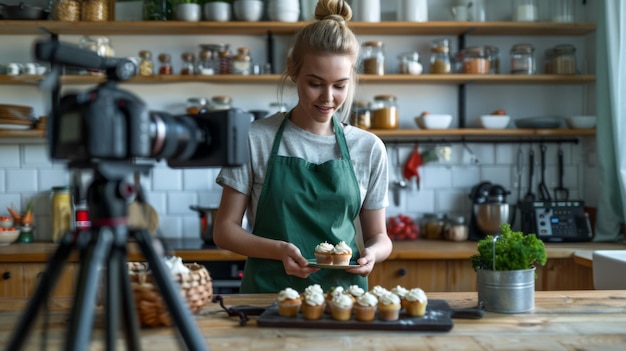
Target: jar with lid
<point x="165" y="66"/>
<point x="61" y="202"/>
<point x="205" y="65"/>
<point x="385" y="113"/>
<point x="525" y="11"/>
<point x="242" y="63"/>
<point x="66" y="10"/>
<point x="101" y="45"/>
<point x="220" y="102"/>
<point x="440" y="61"/>
<point x="409" y="63"/>
<point x="475" y="60"/>
<point x="493" y="55"/>
<point x="373" y="58"/>
<point x="433" y="228"/>
<point x="523" y="59"/>
<point x="225" y="61"/>
<point x="564" y="61"/>
<point x="146" y="66"/>
<point x="95" y="10"/>
<point x="360" y="115"/>
<point x="456" y="229"/>
<point x="196" y="105"/>
<point x="188" y="63"/>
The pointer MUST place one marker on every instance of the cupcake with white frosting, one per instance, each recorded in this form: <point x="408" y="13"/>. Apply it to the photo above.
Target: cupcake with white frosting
<point x="313" y="305"/>
<point x="401" y="292"/>
<point x="289" y="302"/>
<point x="342" y="253"/>
<point x="354" y="291"/>
<point x="324" y="253"/>
<point x="341" y="307"/>
<point x="365" y="307"/>
<point x="389" y="307"/>
<point x="379" y="291"/>
<point x="416" y="302"/>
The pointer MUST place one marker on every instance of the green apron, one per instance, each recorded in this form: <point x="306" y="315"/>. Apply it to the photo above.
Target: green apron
<point x="305" y="204"/>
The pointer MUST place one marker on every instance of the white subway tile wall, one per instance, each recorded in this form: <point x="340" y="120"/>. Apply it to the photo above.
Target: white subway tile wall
<point x="26" y="173"/>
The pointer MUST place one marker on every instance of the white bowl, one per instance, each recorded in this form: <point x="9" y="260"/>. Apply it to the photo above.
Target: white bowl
<point x="431" y="121"/>
<point x="6" y="221"/>
<point x="217" y="11"/>
<point x="494" y="121"/>
<point x="248" y="10"/>
<point x="581" y="122"/>
<point x="7" y="237"/>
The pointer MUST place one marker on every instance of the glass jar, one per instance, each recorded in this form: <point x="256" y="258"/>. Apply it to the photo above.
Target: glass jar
<point x="562" y="11"/>
<point x="225" y="60"/>
<point x="61" y="201"/>
<point x="385" y="113"/>
<point x="196" y="105"/>
<point x="188" y="63"/>
<point x="475" y="60"/>
<point x="101" y="45"/>
<point x="95" y="10"/>
<point x="522" y="59"/>
<point x="242" y="63"/>
<point x="525" y="11"/>
<point x="564" y="61"/>
<point x="220" y="102"/>
<point x="205" y="64"/>
<point x="146" y="66"/>
<point x="360" y="115"/>
<point x="165" y="67"/>
<point x="373" y="58"/>
<point x="433" y="227"/>
<point x="456" y="229"/>
<point x="409" y="63"/>
<point x="493" y="55"/>
<point x="440" y="61"/>
<point x="548" y="62"/>
<point x="66" y="10"/>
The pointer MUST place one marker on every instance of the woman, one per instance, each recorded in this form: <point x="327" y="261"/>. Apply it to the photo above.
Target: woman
<point x="310" y="178"/>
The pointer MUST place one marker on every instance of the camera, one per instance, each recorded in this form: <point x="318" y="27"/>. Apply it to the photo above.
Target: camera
<point x="111" y="124"/>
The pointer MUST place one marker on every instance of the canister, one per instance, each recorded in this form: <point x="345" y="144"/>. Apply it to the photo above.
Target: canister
<point x="360" y="115"/>
<point x="373" y="58"/>
<point x="475" y="60"/>
<point x="523" y="59"/>
<point x="385" y="112"/>
<point x="564" y="60"/>
<point x="61" y="201"/>
<point x="440" y="61"/>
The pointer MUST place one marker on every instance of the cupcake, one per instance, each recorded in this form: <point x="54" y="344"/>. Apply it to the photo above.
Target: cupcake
<point x="416" y="302"/>
<point x="341" y="307"/>
<point x="401" y="292"/>
<point x="354" y="291"/>
<point x="365" y="307"/>
<point x="289" y="302"/>
<point x="324" y="253"/>
<point x="342" y="253"/>
<point x="313" y="305"/>
<point x="389" y="307"/>
<point x="379" y="291"/>
<point x="338" y="290"/>
<point x="313" y="288"/>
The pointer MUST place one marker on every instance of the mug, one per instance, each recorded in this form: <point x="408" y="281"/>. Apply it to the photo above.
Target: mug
<point x="412" y="10"/>
<point x="14" y="69"/>
<point x="30" y="68"/>
<point x="460" y="12"/>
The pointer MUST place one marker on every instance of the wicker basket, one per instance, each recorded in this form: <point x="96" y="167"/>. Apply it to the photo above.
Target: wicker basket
<point x="196" y="288"/>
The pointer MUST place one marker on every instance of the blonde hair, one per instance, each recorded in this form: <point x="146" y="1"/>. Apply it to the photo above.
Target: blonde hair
<point x="329" y="34"/>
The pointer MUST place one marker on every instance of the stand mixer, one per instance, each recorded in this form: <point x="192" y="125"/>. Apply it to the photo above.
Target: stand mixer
<point x="489" y="210"/>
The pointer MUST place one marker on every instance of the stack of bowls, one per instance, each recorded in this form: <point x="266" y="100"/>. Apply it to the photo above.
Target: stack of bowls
<point x="283" y="10"/>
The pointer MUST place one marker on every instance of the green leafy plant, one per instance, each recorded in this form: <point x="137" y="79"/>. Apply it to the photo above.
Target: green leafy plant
<point x="513" y="251"/>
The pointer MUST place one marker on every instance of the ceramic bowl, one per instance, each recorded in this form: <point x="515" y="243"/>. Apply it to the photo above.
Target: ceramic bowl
<point x="494" y="121"/>
<point x="217" y="11"/>
<point x="248" y="10"/>
<point x="8" y="236"/>
<point x="581" y="122"/>
<point x="432" y="121"/>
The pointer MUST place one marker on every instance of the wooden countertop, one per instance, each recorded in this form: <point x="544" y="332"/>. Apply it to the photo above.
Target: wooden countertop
<point x="403" y="250"/>
<point x="562" y="320"/>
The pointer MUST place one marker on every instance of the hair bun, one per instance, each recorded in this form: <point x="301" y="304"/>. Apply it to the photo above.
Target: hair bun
<point x="335" y="17"/>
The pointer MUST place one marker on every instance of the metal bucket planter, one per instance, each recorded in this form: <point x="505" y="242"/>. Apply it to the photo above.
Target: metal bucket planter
<point x="506" y="291"/>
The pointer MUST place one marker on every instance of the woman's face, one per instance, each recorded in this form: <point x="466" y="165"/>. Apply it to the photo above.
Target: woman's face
<point x="322" y="85"/>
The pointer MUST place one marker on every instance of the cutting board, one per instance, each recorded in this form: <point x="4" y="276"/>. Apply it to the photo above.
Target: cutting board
<point x="437" y="318"/>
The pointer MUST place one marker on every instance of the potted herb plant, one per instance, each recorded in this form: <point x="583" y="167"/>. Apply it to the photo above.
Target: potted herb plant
<point x="505" y="267"/>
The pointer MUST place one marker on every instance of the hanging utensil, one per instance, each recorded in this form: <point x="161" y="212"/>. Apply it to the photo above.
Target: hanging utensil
<point x="411" y="168"/>
<point x="520" y="165"/>
<point x="399" y="183"/>
<point x="560" y="192"/>
<point x="530" y="196"/>
<point x="544" y="193"/>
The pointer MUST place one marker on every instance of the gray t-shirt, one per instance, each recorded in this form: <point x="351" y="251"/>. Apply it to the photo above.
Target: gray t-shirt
<point x="367" y="152"/>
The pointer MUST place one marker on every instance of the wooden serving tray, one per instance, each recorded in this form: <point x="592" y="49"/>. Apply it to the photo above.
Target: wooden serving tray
<point x="437" y="318"/>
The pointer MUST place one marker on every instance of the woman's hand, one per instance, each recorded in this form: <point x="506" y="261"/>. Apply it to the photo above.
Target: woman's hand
<point x="366" y="263"/>
<point x="295" y="264"/>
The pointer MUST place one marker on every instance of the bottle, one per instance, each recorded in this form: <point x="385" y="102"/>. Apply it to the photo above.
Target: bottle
<point x="61" y="201"/>
<point x="440" y="61"/>
<point x="165" y="65"/>
<point x="188" y="63"/>
<point x="522" y="59"/>
<point x="373" y="58"/>
<point x="146" y="66"/>
<point x="242" y="63"/>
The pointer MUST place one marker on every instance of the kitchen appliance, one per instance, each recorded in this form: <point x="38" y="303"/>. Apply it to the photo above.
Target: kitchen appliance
<point x="207" y="216"/>
<point x="557" y="221"/>
<point x="489" y="210"/>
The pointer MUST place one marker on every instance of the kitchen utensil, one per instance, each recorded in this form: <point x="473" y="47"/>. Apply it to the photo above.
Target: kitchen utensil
<point x="560" y="192"/>
<point x="530" y="196"/>
<point x="490" y="216"/>
<point x="520" y="165"/>
<point x="22" y="11"/>
<point x="207" y="218"/>
<point x="544" y="193"/>
<point x="411" y="168"/>
<point x="399" y="183"/>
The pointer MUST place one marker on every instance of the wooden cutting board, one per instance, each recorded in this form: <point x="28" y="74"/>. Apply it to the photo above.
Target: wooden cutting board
<point x="437" y="318"/>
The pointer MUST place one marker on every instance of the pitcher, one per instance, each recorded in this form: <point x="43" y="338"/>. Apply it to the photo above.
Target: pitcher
<point x="460" y="10"/>
<point x="478" y="11"/>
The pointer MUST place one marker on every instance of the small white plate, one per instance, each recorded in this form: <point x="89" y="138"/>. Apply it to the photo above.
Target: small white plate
<point x="313" y="263"/>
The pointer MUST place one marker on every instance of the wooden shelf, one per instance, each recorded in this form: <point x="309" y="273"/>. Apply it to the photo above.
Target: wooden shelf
<point x="27" y="133"/>
<point x="13" y="27"/>
<point x="364" y="79"/>
<point x="480" y="132"/>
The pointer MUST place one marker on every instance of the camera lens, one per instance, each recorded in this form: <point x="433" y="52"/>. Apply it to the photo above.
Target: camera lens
<point x="173" y="137"/>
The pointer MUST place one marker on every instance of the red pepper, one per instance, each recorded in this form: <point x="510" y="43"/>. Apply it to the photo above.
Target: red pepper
<point x="411" y="168"/>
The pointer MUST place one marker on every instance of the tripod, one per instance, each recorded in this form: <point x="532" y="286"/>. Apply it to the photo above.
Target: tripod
<point x="104" y="246"/>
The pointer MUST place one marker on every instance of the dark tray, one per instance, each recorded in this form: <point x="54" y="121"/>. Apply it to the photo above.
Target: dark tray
<point x="437" y="318"/>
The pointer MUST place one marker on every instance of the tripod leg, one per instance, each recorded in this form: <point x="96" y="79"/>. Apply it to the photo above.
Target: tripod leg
<point x="181" y="315"/>
<point x="44" y="288"/>
<point x="131" y="325"/>
<point x="83" y="311"/>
